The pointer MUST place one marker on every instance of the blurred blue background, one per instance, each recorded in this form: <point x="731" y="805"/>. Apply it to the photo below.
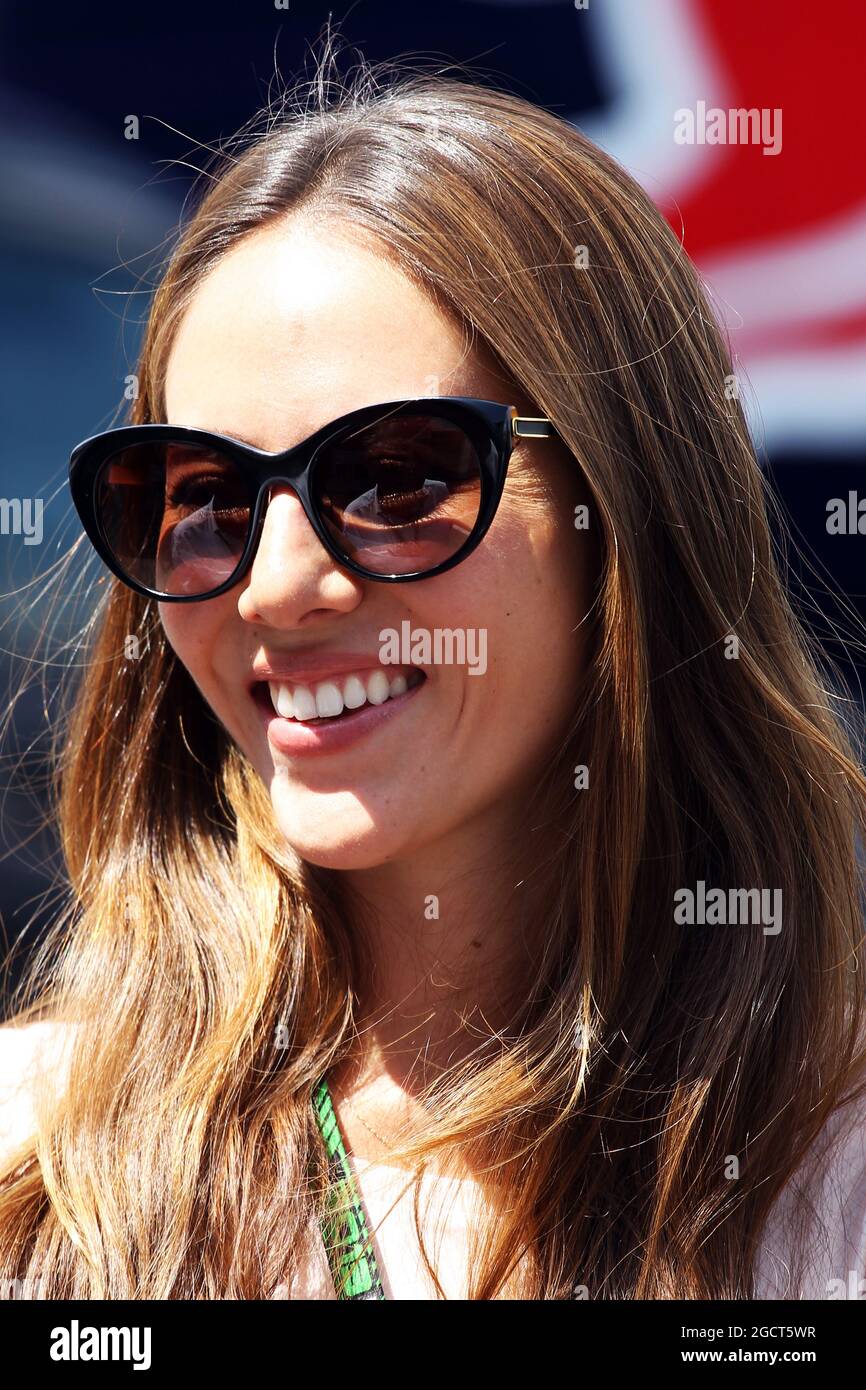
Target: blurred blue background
<point x="781" y="240"/>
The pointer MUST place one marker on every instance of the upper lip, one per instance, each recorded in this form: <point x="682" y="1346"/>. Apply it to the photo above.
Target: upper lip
<point x="305" y="668"/>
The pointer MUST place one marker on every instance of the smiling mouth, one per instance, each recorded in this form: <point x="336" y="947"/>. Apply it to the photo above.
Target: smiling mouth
<point x="335" y="701"/>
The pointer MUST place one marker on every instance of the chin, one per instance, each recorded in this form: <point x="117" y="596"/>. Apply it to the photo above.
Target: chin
<point x="332" y="832"/>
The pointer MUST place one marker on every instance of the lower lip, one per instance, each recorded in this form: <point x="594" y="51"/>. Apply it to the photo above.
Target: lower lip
<point x="293" y="737"/>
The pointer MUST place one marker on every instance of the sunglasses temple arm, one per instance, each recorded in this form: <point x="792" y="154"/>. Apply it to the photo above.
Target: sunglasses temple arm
<point x="531" y="427"/>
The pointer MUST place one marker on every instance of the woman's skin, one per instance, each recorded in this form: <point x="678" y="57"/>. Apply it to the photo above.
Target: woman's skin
<point x="294" y="327"/>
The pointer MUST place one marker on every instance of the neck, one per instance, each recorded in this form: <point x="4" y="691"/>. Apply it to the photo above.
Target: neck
<point x="451" y="935"/>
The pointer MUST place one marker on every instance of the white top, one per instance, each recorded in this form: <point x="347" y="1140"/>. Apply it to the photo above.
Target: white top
<point x="827" y="1205"/>
<point x="833" y="1219"/>
<point x="388" y="1194"/>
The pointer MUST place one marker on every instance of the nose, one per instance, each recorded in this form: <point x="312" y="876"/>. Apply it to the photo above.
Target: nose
<point x="293" y="579"/>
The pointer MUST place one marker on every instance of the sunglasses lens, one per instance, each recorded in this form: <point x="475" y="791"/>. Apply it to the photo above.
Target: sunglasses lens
<point x="175" y="515"/>
<point x="400" y="495"/>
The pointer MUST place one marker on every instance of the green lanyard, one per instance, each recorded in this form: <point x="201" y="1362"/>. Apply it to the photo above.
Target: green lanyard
<point x="345" y="1230"/>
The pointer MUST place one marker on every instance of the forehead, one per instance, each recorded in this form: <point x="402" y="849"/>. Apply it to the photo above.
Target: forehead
<point x="297" y="325"/>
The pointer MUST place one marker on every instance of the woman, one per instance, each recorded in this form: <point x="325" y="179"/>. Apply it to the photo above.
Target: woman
<point x="458" y="823"/>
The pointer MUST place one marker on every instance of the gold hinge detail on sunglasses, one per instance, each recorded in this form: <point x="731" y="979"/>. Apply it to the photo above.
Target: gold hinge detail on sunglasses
<point x="530" y="426"/>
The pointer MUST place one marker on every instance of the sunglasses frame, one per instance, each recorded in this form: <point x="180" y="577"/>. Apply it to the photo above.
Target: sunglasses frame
<point x="492" y="427"/>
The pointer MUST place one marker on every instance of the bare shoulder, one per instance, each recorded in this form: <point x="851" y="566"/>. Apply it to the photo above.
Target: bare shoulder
<point x="26" y="1053"/>
<point x="814" y="1244"/>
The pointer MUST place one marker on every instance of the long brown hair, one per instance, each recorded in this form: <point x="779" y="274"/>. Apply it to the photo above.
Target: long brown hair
<point x="181" y="1160"/>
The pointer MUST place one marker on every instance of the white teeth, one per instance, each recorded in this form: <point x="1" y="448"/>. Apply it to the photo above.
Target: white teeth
<point x="329" y="698"/>
<point x="304" y="702"/>
<point x="354" y="694"/>
<point x="378" y="688"/>
<point x="285" y="703"/>
<point x="329" y="701"/>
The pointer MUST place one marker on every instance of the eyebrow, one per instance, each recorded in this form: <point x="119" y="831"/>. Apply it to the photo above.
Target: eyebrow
<point x="215" y="429"/>
<point x="230" y="434"/>
<point x="399" y="424"/>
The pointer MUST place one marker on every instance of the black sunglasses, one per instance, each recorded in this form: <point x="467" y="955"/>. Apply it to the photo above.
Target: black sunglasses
<point x="395" y="492"/>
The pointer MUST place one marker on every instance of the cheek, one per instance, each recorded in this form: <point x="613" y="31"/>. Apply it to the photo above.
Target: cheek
<point x="195" y="633"/>
<point x="539" y="638"/>
<point x="544" y="565"/>
<point x="525" y="592"/>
